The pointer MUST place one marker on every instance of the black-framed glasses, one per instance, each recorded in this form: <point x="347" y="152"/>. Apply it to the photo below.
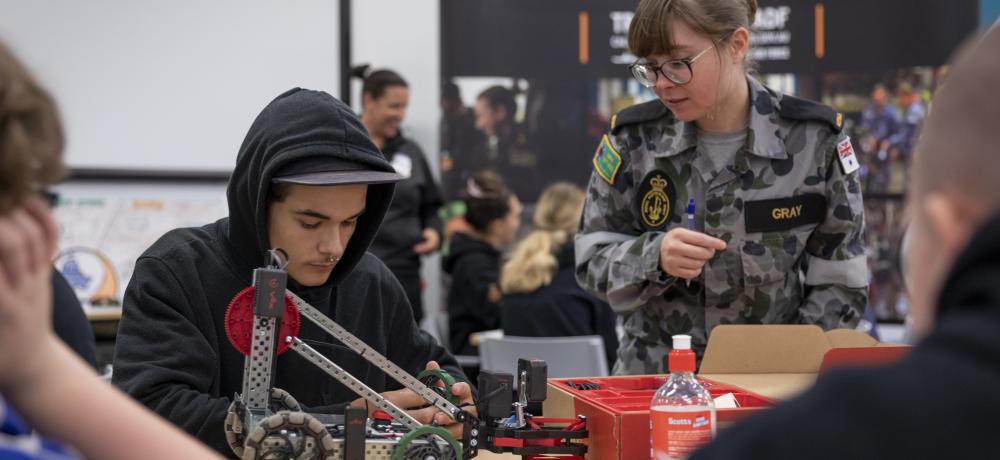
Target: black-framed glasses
<point x="51" y="198"/>
<point x="678" y="70"/>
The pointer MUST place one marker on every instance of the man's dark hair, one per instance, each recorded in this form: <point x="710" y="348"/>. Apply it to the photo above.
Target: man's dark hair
<point x="498" y="96"/>
<point x="277" y="192"/>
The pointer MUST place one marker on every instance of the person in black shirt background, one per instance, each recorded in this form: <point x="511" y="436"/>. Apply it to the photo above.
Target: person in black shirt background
<point x="411" y="227"/>
<point x="493" y="216"/>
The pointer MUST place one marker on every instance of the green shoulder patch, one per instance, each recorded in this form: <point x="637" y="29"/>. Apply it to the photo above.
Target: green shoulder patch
<point x="607" y="161"/>
<point x="647" y="111"/>
<point x="802" y="109"/>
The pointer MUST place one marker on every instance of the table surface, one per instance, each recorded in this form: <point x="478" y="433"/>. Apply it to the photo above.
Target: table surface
<point x="102" y="313"/>
<point x="487" y="455"/>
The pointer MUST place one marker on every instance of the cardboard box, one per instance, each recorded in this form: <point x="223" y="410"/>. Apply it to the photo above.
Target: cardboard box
<point x="780" y="361"/>
<point x="758" y="364"/>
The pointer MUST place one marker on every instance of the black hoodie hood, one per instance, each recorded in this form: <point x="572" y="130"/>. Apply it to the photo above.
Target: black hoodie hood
<point x="301" y="125"/>
<point x="972" y="282"/>
<point x="462" y="246"/>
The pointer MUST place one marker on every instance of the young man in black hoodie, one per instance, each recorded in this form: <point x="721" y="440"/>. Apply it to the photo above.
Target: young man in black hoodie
<point x="942" y="400"/>
<point x="309" y="180"/>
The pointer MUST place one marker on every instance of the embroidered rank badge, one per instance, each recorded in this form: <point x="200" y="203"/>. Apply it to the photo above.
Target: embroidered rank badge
<point x="654" y="197"/>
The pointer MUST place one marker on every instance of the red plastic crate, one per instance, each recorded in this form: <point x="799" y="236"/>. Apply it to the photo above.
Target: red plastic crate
<point x="618" y="412"/>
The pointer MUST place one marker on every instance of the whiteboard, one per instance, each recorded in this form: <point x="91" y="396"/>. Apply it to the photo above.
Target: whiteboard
<point x="170" y="85"/>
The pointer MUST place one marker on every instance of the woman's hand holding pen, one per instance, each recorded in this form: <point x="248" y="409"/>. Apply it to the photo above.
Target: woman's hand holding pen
<point x="684" y="252"/>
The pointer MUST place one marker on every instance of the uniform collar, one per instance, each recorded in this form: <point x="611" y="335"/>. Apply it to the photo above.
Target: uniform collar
<point x="763" y="125"/>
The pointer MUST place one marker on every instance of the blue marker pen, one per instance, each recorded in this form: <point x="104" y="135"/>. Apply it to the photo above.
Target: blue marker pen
<point x="690" y="216"/>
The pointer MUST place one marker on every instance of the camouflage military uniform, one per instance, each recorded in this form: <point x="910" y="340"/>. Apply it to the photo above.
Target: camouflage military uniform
<point x="788" y="207"/>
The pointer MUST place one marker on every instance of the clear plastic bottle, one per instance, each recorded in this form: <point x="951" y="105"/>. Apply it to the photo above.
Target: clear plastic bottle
<point x="681" y="414"/>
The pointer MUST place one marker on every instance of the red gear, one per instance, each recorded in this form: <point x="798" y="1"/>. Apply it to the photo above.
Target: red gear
<point x="239" y="322"/>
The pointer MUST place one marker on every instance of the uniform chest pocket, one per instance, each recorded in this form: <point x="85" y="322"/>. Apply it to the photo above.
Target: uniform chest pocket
<point x="771" y="274"/>
<point x="773" y="255"/>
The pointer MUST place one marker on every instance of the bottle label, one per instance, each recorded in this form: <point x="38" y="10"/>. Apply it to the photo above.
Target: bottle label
<point x="677" y="434"/>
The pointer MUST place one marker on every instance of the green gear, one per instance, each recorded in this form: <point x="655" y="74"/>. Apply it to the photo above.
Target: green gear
<point x="406" y="449"/>
<point x="431" y="377"/>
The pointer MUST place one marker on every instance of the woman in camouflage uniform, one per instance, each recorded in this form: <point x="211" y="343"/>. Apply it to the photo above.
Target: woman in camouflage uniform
<point x="775" y="236"/>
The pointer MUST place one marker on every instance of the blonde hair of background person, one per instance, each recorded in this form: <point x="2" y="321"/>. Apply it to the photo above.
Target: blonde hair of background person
<point x="532" y="263"/>
<point x="40" y="377"/>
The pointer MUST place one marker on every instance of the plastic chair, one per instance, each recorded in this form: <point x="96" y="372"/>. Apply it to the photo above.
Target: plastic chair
<point x="578" y="356"/>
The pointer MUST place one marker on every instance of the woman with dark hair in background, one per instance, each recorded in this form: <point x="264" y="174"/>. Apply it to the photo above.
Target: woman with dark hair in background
<point x="411" y="227"/>
<point x="493" y="214"/>
<point x="540" y="295"/>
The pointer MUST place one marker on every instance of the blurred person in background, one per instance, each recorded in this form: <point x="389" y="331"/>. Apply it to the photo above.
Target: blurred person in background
<point x="459" y="141"/>
<point x="540" y="295"/>
<point x="913" y="114"/>
<point x="879" y="120"/>
<point x="493" y="215"/>
<point x="506" y="150"/>
<point x="411" y="227"/>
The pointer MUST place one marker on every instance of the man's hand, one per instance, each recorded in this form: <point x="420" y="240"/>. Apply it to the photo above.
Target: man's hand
<point x="430" y="243"/>
<point x="28" y="237"/>
<point x="464" y="393"/>
<point x="414" y="405"/>
<point x="683" y="252"/>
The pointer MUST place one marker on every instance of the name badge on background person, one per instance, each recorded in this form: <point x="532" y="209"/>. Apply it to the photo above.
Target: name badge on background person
<point x="784" y="213"/>
<point x="654" y="199"/>
<point x="403" y="165"/>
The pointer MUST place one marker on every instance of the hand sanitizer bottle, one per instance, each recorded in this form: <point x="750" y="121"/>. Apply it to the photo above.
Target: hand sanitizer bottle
<point x="681" y="414"/>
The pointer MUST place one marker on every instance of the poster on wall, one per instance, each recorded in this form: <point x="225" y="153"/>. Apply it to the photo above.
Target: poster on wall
<point x="103" y="233"/>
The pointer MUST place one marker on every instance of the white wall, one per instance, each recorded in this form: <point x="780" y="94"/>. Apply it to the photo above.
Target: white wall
<point x="404" y="35"/>
<point x="160" y="84"/>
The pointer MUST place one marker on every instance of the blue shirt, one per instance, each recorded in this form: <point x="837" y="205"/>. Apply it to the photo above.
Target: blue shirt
<point x="906" y="137"/>
<point x="19" y="442"/>
<point x="880" y="124"/>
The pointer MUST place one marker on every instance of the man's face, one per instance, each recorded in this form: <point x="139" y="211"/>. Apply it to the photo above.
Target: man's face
<point x="313" y="225"/>
<point x="904" y="99"/>
<point x="919" y="253"/>
<point x="879" y="98"/>
<point x="936" y="236"/>
<point x="388" y="111"/>
<point x="487" y="118"/>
